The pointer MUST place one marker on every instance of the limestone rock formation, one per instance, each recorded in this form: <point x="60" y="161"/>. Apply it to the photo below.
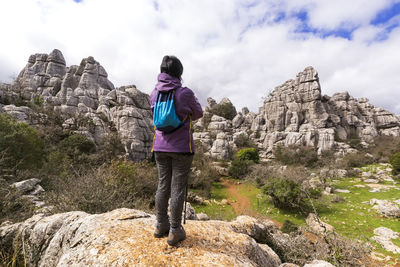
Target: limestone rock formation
<point x="384" y="236"/>
<point x="386" y="208"/>
<point x="295" y="113"/>
<point x="83" y="92"/>
<point x="124" y="237"/>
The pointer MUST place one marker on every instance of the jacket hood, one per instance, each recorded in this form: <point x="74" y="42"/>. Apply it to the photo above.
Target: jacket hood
<point x="167" y="82"/>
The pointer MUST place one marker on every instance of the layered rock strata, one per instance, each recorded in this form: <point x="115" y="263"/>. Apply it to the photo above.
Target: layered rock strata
<point x="83" y="93"/>
<point x="295" y="113"/>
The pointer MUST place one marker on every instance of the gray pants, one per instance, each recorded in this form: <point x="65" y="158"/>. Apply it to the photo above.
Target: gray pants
<point x="173" y="172"/>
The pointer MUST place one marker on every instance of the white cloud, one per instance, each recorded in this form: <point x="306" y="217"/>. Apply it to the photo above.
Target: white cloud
<point x="228" y="48"/>
<point x="329" y="15"/>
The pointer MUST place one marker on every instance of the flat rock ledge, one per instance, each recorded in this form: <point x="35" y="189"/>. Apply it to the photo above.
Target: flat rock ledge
<point x="124" y="237"/>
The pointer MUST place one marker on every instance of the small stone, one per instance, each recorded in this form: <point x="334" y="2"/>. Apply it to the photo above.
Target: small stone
<point x="224" y="202"/>
<point x="202" y="217"/>
<point x="318" y="263"/>
<point x="372" y="181"/>
<point x="342" y="191"/>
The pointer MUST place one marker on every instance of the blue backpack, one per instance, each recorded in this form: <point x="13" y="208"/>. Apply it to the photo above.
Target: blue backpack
<point x="164" y="114"/>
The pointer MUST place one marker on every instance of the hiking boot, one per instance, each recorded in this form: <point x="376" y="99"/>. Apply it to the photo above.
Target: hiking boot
<point x="162" y="230"/>
<point x="176" y="235"/>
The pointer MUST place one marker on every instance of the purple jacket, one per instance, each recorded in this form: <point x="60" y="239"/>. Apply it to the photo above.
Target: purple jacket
<point x="181" y="140"/>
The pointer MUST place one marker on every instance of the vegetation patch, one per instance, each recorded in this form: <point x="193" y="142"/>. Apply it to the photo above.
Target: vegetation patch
<point x="214" y="209"/>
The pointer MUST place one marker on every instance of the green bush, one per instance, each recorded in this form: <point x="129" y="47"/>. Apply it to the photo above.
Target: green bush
<point x="358" y="159"/>
<point x="289" y="227"/>
<point x="355" y="143"/>
<point x="226" y="110"/>
<point x="239" y="168"/>
<point x="243" y="140"/>
<point x="248" y="154"/>
<point x="21" y="144"/>
<point x="296" y="155"/>
<point x="288" y="194"/>
<point x="242" y="161"/>
<point x="395" y="161"/>
<point x="76" y="144"/>
<point x="204" y="174"/>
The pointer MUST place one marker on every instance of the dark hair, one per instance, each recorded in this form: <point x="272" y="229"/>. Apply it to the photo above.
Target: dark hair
<point x="172" y="66"/>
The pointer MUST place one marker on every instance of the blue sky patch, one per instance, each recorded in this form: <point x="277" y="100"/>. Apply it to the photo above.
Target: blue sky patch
<point x="386" y="14"/>
<point x="342" y="32"/>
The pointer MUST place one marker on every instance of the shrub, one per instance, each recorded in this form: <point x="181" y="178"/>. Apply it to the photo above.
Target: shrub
<point x="355" y="143"/>
<point x="383" y="147"/>
<point x="76" y="144"/>
<point x="288" y="189"/>
<point x="296" y="155"/>
<point x="285" y="194"/>
<point x="395" y="161"/>
<point x="110" y="186"/>
<point x="357" y="159"/>
<point x="239" y="168"/>
<point x="203" y="174"/>
<point x="334" y="249"/>
<point x="226" y="110"/>
<point x="248" y="154"/>
<point x="13" y="206"/>
<point x="289" y="226"/>
<point x="243" y="140"/>
<point x="22" y="145"/>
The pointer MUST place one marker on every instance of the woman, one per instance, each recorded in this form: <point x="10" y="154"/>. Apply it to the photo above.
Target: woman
<point x="173" y="150"/>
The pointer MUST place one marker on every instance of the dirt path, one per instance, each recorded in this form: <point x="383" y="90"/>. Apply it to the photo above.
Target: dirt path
<point x="241" y="204"/>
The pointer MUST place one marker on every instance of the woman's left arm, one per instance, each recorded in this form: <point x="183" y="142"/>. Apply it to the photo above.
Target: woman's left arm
<point x="197" y="111"/>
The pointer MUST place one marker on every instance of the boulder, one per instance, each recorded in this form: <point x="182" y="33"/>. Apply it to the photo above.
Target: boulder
<point x="386" y="208"/>
<point x="27" y="186"/>
<point x="384" y="236"/>
<point x="317" y="226"/>
<point x="124" y="237"/>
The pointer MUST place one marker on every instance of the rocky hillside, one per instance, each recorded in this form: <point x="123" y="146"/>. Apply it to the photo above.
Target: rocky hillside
<point x="82" y="93"/>
<point x="294" y="113"/>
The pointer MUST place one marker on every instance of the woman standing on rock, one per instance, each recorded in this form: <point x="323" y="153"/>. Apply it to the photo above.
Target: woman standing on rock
<point x="174" y="107"/>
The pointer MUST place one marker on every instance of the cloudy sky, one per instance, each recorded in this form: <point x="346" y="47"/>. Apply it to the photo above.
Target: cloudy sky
<point x="240" y="49"/>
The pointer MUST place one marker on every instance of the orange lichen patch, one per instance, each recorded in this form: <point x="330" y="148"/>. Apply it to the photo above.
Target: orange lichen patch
<point x="208" y="243"/>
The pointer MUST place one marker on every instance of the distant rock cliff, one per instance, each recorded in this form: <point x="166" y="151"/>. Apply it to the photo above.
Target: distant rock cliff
<point x="83" y="91"/>
<point x="294" y="113"/>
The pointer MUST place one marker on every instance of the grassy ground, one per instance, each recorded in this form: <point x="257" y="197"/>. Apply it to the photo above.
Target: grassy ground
<point x="215" y="210"/>
<point x="353" y="218"/>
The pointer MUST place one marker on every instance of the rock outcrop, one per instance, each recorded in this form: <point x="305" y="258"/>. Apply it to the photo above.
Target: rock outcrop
<point x="294" y="113"/>
<point x="83" y="93"/>
<point x="384" y="236"/>
<point x="124" y="237"/>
